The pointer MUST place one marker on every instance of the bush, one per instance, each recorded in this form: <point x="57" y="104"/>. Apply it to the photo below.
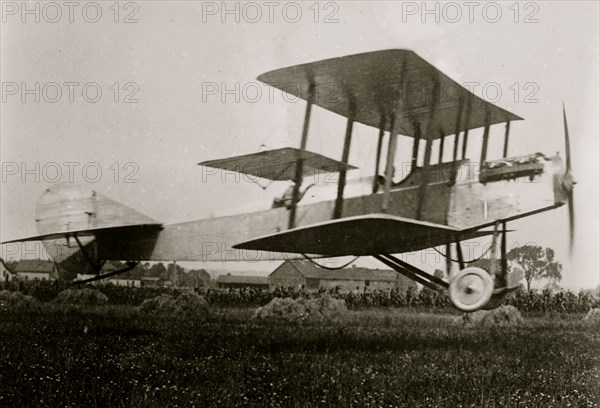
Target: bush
<point x="84" y="296"/>
<point x="16" y="300"/>
<point x="188" y="304"/>
<point x="323" y="308"/>
<point x="593" y="315"/>
<point x="501" y="316"/>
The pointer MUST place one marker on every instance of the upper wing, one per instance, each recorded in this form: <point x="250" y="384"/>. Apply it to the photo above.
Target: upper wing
<point x="380" y="84"/>
<point x="361" y="235"/>
<point x="279" y="164"/>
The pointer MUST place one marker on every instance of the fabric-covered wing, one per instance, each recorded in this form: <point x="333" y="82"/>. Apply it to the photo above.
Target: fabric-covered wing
<point x="361" y="235"/>
<point x="279" y="164"/>
<point x="380" y="84"/>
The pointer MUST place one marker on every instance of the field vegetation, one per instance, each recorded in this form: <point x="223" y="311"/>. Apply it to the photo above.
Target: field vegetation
<point x="73" y="355"/>
<point x="533" y="301"/>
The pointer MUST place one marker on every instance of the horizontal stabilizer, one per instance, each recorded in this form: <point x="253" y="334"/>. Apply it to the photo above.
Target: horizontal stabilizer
<point x="361" y="235"/>
<point x="115" y="232"/>
<point x="279" y="164"/>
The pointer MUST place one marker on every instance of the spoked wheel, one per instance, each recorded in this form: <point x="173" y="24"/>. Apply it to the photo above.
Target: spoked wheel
<point x="471" y="289"/>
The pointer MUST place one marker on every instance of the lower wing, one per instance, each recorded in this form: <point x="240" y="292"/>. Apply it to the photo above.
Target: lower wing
<point x="360" y="235"/>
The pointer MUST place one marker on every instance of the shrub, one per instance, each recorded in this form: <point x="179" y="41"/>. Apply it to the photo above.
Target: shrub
<point x="501" y="316"/>
<point x="155" y="305"/>
<point x="323" y="308"/>
<point x="84" y="296"/>
<point x="188" y="304"/>
<point x="16" y="300"/>
<point x="593" y="315"/>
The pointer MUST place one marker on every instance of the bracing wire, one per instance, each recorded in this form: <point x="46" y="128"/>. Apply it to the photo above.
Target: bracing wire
<point x="456" y="260"/>
<point x="329" y="268"/>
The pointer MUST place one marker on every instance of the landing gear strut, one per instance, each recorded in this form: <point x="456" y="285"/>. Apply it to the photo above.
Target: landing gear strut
<point x="471" y="288"/>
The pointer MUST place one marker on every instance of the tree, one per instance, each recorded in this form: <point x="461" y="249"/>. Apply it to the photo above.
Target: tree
<point x="552" y="286"/>
<point x="196" y="278"/>
<point x="486" y="264"/>
<point x="137" y="272"/>
<point x="438" y="273"/>
<point x="11" y="265"/>
<point x="536" y="263"/>
<point x="174" y="274"/>
<point x="157" y="270"/>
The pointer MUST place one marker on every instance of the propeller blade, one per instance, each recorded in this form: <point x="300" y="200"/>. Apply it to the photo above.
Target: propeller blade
<point x="567" y="142"/>
<point x="571" y="205"/>
<point x="569" y="176"/>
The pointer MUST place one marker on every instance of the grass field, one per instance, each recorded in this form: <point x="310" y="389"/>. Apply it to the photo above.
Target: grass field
<point x="111" y="357"/>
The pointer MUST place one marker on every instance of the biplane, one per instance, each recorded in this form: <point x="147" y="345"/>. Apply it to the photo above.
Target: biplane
<point x="438" y="203"/>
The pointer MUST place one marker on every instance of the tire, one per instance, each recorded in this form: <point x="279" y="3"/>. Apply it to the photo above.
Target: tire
<point x="471" y="289"/>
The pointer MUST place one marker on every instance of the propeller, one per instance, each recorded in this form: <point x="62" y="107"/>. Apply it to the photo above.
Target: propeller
<point x="569" y="182"/>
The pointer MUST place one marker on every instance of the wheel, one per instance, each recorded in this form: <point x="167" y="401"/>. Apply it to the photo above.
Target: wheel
<point x="470" y="289"/>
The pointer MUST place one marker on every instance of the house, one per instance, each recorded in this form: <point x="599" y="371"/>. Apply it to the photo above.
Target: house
<point x="5" y="273"/>
<point x="305" y="274"/>
<point x="36" y="269"/>
<point x="131" y="283"/>
<point x="152" y="282"/>
<point x="107" y="268"/>
<point x="242" y="281"/>
<point x="117" y="281"/>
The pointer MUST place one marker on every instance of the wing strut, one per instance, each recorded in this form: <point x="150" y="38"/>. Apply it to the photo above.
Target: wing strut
<point x="416" y="142"/>
<point x="506" y="134"/>
<point x="339" y="200"/>
<point x="299" y="162"/>
<point x="466" y="131"/>
<point x="456" y="138"/>
<point x="486" y="138"/>
<point x="389" y="169"/>
<point x="378" y="159"/>
<point x="441" y="152"/>
<point x="427" y="160"/>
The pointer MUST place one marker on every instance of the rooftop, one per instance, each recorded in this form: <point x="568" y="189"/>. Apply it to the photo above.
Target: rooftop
<point x="311" y="271"/>
<point x="242" y="279"/>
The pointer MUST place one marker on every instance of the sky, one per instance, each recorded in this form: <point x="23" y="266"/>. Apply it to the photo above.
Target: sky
<point x="143" y="91"/>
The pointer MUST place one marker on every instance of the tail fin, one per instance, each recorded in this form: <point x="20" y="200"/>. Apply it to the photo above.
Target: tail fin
<point x="63" y="209"/>
<point x="80" y="227"/>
